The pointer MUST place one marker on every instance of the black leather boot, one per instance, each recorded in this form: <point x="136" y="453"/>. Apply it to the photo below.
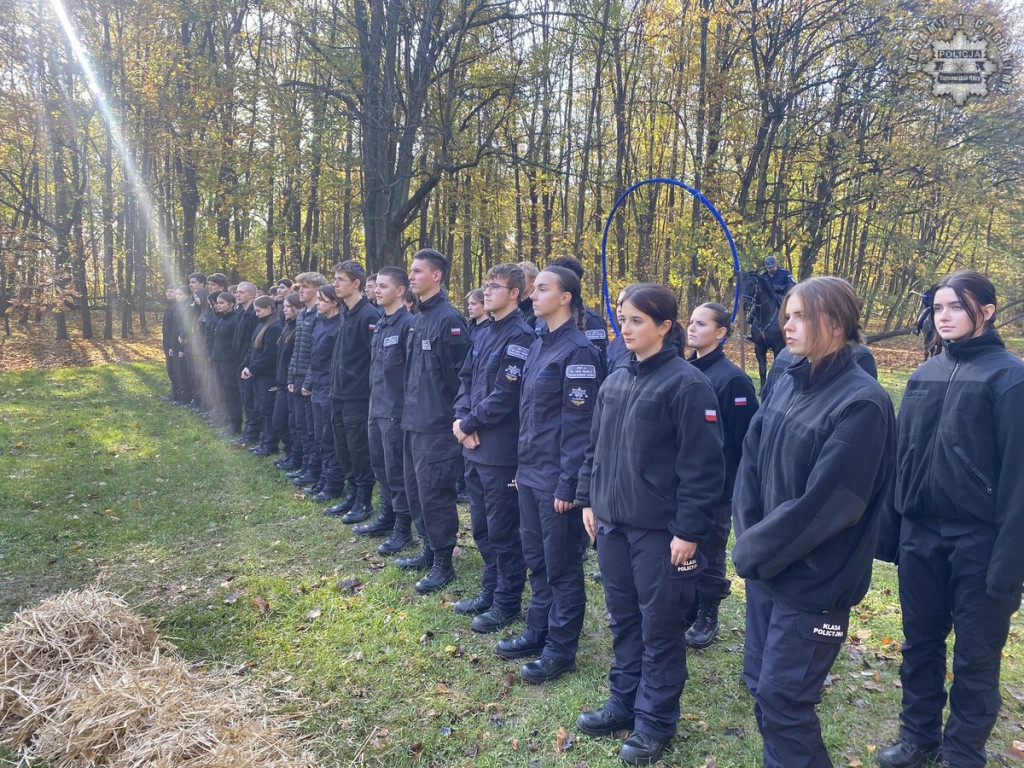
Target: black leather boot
<point x="361" y="508"/>
<point x="381" y="525"/>
<point x="441" y="573"/>
<point x="702" y="633"/>
<point x="348" y="498"/>
<point x="401" y="535"/>
<point x="418" y="562"/>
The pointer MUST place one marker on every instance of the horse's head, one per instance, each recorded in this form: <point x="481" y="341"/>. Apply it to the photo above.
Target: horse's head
<point x="750" y="286"/>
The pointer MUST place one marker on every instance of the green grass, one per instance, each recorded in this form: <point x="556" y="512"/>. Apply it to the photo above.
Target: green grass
<point x="102" y="483"/>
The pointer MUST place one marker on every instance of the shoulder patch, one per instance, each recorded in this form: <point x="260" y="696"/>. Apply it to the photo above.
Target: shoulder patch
<point x="517" y="351"/>
<point x="581" y="372"/>
<point x="456" y="331"/>
<point x="578" y="397"/>
<point x="596" y="334"/>
<point x="739" y="401"/>
<point x="373" y="327"/>
<point x="711" y="415"/>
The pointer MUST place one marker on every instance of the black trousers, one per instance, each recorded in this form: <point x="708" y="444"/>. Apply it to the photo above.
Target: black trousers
<point x="430" y="469"/>
<point x="283" y="424"/>
<point x="494" y="517"/>
<point x="264" y="407"/>
<point x="351" y="443"/>
<point x="942" y="568"/>
<point x="787" y="655"/>
<point x="247" y="394"/>
<point x="553" y="545"/>
<point x="302" y="413"/>
<point x="229" y="407"/>
<point x="647" y="598"/>
<point x="712" y="583"/>
<point x="387" y="459"/>
<point x="329" y="471"/>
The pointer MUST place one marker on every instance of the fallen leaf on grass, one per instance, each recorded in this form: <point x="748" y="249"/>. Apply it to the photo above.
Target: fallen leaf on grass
<point x="349" y="585"/>
<point x="1016" y="750"/>
<point x="563" y="740"/>
<point x="313" y="613"/>
<point x="231" y="599"/>
<point x="261" y="604"/>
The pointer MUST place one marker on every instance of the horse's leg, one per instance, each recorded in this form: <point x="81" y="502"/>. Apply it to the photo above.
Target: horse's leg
<point x="761" y="351"/>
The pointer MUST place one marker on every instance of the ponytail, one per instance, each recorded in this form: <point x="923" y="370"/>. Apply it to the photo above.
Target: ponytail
<point x="579" y="312"/>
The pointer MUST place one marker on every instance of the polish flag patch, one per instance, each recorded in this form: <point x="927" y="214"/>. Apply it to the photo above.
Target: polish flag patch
<point x="710" y="415"/>
<point x="372" y="327"/>
<point x="456" y="331"/>
<point x="740" y="401"/>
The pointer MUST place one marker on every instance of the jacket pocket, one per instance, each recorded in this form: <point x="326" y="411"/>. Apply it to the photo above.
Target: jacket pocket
<point x="972" y="469"/>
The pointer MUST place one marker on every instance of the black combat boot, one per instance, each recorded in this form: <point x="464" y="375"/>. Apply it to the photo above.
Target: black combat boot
<point x="381" y="525"/>
<point x="418" y="562"/>
<point x="705" y="626"/>
<point x="441" y="572"/>
<point x="362" y="507"/>
<point x="348" y="498"/>
<point x="401" y="535"/>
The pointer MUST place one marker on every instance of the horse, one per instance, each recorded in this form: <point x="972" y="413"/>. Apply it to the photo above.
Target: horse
<point x="762" y="305"/>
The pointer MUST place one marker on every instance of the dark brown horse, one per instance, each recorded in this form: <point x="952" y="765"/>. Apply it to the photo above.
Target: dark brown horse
<point x="762" y="305"/>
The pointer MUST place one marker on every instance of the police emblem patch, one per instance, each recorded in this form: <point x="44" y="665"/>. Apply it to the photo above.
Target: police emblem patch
<point x="512" y="373"/>
<point x="578" y="396"/>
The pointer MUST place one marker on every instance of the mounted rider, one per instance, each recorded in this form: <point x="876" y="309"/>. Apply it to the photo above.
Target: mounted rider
<point x="780" y="279"/>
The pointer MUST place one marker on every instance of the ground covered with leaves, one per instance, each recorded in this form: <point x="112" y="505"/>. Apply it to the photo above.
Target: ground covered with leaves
<point x="104" y="484"/>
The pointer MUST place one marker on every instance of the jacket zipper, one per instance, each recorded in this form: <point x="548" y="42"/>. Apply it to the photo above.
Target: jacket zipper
<point x="618" y="431"/>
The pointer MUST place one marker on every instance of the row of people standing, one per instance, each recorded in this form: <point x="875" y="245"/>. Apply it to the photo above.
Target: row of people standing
<point x="815" y="479"/>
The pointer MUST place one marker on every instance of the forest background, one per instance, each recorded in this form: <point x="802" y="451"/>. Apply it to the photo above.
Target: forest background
<point x="141" y="140"/>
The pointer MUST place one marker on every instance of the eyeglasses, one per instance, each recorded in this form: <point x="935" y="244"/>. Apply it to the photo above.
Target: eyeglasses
<point x="492" y="287"/>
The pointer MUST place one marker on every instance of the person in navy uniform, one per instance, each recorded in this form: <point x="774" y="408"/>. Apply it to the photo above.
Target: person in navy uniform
<point x="284" y="419"/>
<point x="780" y="278"/>
<point x="649" y="485"/>
<point x="350" y="393"/>
<point x="223" y="353"/>
<point x="389" y="348"/>
<point x="437" y="350"/>
<point x="708" y="329"/>
<point x="260" y="365"/>
<point x="815" y="475"/>
<point x="245" y="294"/>
<point x="329" y="478"/>
<point x="959" y="533"/>
<point x="594" y="326"/>
<point x="618" y="354"/>
<point x="298" y="366"/>
<point x="560" y="382"/>
<point x="487" y="425"/>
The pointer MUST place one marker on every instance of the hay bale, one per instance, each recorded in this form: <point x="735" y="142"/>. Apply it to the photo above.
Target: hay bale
<point x="164" y="714"/>
<point x="46" y="651"/>
<point x="83" y="684"/>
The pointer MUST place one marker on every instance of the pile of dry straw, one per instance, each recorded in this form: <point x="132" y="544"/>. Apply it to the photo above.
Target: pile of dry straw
<point x="84" y="681"/>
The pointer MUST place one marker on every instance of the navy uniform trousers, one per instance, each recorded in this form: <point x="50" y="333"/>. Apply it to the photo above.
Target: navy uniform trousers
<point x="647" y="598"/>
<point x="787" y="655"/>
<point x="494" y="518"/>
<point x="430" y="469"/>
<point x="713" y="583"/>
<point x="942" y="568"/>
<point x="351" y="440"/>
<point x="553" y="546"/>
<point x="385" y="438"/>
